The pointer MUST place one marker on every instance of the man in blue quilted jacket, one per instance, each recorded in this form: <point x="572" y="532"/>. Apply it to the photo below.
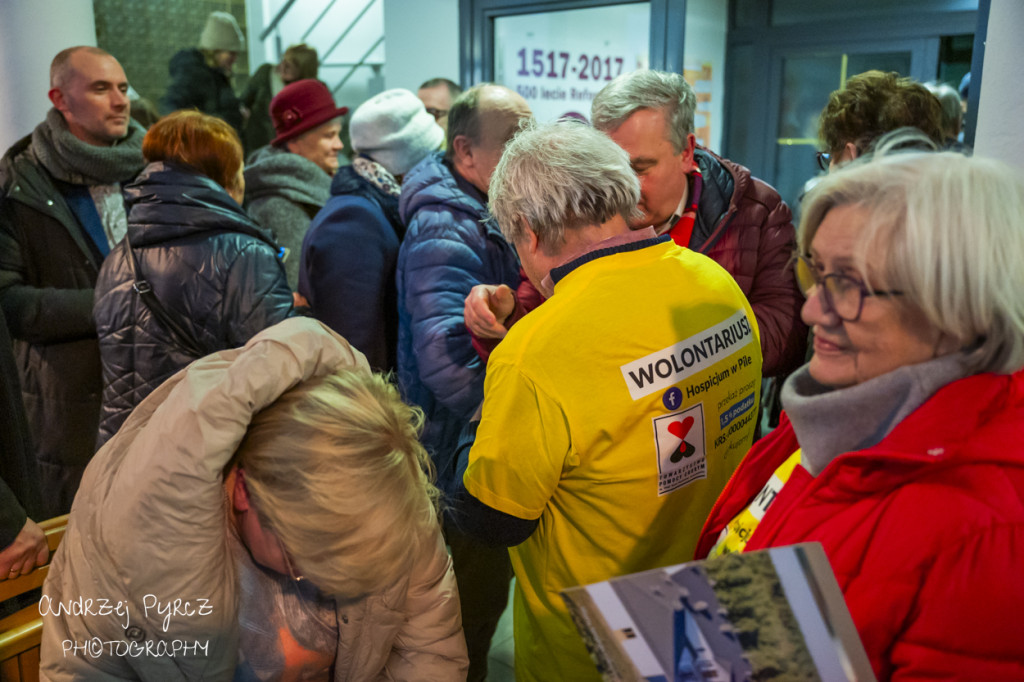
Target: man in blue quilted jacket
<point x="452" y="244"/>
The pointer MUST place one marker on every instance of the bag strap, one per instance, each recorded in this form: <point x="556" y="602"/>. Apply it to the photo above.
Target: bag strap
<point x="165" y="319"/>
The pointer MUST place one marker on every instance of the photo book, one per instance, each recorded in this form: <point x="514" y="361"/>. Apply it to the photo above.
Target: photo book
<point x="775" y="614"/>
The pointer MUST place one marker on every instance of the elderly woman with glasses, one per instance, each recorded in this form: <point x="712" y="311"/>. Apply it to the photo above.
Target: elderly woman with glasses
<point x="266" y="513"/>
<point x="901" y="449"/>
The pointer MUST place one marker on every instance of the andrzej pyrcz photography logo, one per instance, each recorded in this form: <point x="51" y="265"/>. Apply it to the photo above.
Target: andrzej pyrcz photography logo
<point x="136" y="642"/>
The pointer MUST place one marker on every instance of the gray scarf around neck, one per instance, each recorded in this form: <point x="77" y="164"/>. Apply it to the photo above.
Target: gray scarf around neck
<point x="71" y="160"/>
<point x="829" y="422"/>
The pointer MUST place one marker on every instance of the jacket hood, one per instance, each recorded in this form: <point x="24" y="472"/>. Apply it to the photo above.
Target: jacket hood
<point x="274" y="172"/>
<point x="431" y="183"/>
<point x="168" y="201"/>
<point x="19" y="167"/>
<point x="9" y="161"/>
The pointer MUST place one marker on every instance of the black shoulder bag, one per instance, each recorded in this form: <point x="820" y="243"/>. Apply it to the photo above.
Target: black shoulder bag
<point x="165" y="318"/>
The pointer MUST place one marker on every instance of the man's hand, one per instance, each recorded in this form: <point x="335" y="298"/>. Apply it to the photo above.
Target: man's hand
<point x="26" y="552"/>
<point x="487" y="307"/>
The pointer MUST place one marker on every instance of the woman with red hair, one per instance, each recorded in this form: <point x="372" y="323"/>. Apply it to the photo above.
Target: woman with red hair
<point x="209" y="276"/>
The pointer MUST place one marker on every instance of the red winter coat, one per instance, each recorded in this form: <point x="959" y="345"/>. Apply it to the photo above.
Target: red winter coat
<point x="925" y="531"/>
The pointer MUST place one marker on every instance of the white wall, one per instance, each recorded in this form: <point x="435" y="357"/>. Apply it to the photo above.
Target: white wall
<point x="999" y="134"/>
<point x="422" y="40"/>
<point x="31" y="33"/>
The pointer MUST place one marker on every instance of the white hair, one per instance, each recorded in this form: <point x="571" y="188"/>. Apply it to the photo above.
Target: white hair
<point x="647" y="89"/>
<point x="561" y="176"/>
<point x="946" y="230"/>
<point x="952" y="111"/>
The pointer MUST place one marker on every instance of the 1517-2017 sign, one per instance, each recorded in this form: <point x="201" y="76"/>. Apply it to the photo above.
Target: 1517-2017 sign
<point x="562" y="65"/>
<point x="559" y="60"/>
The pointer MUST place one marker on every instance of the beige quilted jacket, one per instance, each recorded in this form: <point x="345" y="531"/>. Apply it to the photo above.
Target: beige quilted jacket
<point x="148" y="527"/>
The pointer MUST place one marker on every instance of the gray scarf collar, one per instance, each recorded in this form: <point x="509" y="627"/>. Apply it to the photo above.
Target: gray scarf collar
<point x="71" y="160"/>
<point x="829" y="422"/>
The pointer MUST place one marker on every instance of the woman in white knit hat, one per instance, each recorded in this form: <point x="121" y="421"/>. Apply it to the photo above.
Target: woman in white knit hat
<point x="201" y="76"/>
<point x="347" y="272"/>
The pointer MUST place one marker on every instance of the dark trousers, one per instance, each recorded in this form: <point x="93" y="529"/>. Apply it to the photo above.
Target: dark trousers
<point x="483" y="574"/>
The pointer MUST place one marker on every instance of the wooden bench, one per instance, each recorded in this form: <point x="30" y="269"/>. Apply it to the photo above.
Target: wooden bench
<point x="21" y="632"/>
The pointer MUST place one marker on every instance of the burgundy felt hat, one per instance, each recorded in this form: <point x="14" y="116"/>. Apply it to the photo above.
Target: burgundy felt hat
<point x="301" y="106"/>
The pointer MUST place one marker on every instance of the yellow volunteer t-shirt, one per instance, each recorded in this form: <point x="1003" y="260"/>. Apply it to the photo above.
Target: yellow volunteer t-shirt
<point x="734" y="536"/>
<point x="614" y="413"/>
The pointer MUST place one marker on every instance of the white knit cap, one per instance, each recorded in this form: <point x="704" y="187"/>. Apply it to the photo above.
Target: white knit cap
<point x="394" y="129"/>
<point x="221" y="33"/>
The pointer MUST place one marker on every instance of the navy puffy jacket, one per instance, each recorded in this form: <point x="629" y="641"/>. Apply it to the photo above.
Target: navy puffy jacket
<point x="213" y="269"/>
<point x="450" y="246"/>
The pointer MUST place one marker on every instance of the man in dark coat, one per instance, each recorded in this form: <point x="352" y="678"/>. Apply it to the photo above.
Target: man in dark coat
<point x="201" y="77"/>
<point x="60" y="214"/>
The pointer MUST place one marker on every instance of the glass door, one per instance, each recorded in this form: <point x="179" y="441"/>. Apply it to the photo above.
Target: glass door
<point x="807" y="79"/>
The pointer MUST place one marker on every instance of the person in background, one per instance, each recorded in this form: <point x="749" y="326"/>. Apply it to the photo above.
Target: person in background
<point x="61" y="213"/>
<point x="600" y="449"/>
<point x="964" y="90"/>
<point x="349" y="255"/>
<point x="952" y="111"/>
<point x="280" y="490"/>
<point x="900" y="447"/>
<point x="299" y="62"/>
<point x="289" y="181"/>
<point x="212" y="271"/>
<point x="871" y="104"/>
<point x="201" y="76"/>
<point x="143" y="111"/>
<point x="452" y="244"/>
<point x="437" y="95"/>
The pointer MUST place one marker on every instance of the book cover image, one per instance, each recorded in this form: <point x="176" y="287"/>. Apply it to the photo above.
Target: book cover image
<point x="775" y="614"/>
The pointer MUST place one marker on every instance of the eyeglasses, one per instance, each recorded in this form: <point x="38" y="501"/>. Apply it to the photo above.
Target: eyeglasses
<point x="824" y="160"/>
<point x="844" y="295"/>
<point x="438" y="114"/>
